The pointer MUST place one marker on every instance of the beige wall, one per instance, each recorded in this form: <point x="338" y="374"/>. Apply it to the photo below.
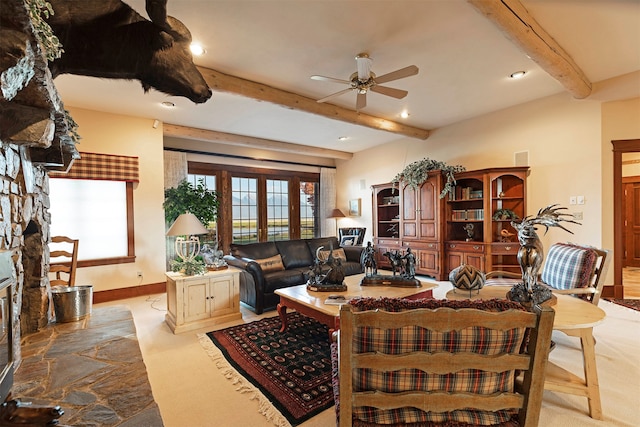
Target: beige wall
<point x="568" y="142"/>
<point x="115" y="134"/>
<point x="561" y="135"/>
<point x="569" y="146"/>
<point x="620" y="120"/>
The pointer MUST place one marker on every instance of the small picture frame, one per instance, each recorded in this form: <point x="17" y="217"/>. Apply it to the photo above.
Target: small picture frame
<point x="354" y="207"/>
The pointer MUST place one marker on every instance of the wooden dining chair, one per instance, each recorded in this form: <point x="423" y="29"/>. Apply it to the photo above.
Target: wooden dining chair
<point x="568" y="269"/>
<point x="435" y="362"/>
<point x="63" y="260"/>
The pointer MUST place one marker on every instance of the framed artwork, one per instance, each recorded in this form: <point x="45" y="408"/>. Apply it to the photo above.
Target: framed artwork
<point x="354" y="207"/>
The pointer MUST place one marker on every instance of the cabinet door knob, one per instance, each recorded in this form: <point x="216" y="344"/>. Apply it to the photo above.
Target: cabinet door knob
<point x="508" y="248"/>
<point x="476" y="247"/>
<point x="452" y="246"/>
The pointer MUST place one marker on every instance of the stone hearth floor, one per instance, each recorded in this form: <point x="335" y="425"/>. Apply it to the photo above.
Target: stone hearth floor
<point x="92" y="368"/>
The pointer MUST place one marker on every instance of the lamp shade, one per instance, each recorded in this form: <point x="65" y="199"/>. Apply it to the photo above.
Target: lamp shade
<point x="186" y="224"/>
<point x="336" y="213"/>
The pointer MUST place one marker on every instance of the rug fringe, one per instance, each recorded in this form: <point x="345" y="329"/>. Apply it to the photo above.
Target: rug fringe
<point x="265" y="407"/>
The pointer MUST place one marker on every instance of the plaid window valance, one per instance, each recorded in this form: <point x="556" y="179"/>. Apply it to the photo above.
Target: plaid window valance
<point x="107" y="167"/>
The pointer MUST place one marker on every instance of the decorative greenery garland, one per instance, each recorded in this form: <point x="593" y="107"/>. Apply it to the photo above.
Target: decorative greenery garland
<point x="43" y="32"/>
<point x="416" y="173"/>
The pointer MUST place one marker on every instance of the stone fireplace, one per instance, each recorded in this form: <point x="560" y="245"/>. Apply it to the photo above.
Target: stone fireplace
<point x="34" y="139"/>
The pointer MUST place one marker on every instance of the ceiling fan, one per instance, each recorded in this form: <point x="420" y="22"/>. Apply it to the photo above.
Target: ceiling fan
<point x="365" y="80"/>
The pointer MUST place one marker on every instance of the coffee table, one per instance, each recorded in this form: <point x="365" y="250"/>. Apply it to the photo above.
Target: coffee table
<point x="312" y="303"/>
<point x="574" y="317"/>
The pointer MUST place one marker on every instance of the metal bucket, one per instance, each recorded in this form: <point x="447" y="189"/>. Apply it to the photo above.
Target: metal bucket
<point x="72" y="303"/>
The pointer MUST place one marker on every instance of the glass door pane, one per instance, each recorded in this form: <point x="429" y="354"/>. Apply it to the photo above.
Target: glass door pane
<point x="277" y="209"/>
<point x="308" y="211"/>
<point x="244" y="210"/>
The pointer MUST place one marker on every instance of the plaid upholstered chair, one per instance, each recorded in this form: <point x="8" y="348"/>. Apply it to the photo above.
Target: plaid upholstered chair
<point x="440" y="363"/>
<point x="568" y="269"/>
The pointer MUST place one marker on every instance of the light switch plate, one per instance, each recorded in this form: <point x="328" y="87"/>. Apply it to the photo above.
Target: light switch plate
<point x="580" y="200"/>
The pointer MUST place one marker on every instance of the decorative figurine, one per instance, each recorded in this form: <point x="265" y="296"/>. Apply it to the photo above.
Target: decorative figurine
<point x="409" y="264"/>
<point x="531" y="253"/>
<point x="469" y="229"/>
<point x="368" y="260"/>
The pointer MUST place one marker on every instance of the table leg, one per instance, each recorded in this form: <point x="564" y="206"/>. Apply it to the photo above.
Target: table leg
<point x="590" y="372"/>
<point x="282" y="313"/>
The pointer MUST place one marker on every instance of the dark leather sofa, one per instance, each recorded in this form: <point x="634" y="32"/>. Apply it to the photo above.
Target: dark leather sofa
<point x="257" y="287"/>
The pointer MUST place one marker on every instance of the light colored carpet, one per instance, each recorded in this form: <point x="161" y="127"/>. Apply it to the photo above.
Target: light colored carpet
<point x="191" y="391"/>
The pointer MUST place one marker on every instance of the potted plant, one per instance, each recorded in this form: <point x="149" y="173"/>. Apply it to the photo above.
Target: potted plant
<point x="417" y="173"/>
<point x="201" y="202"/>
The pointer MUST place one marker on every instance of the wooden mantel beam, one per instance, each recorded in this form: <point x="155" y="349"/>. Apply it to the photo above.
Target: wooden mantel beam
<point x="250" y="89"/>
<point x="513" y="19"/>
<point x="184" y="132"/>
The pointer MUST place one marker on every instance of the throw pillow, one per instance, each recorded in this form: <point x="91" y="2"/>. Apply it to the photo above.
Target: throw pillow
<point x="569" y="266"/>
<point x="337" y="253"/>
<point x="271" y="264"/>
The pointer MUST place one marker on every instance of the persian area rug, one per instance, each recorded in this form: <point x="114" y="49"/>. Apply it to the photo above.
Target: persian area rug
<point x="291" y="369"/>
<point x="629" y="303"/>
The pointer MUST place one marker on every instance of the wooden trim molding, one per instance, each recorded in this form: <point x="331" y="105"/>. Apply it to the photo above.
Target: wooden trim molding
<point x="124" y="293"/>
<point x="619" y="147"/>
<point x="513" y="19"/>
<point x="185" y="132"/>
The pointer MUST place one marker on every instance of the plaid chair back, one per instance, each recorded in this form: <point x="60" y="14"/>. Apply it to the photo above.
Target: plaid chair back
<point x="432" y="362"/>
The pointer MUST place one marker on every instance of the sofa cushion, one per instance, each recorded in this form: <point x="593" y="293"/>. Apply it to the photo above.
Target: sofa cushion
<point x="260" y="250"/>
<point x="415" y="339"/>
<point x="337" y="253"/>
<point x="325" y="242"/>
<point x="569" y="266"/>
<point x="283" y="279"/>
<point x="295" y="253"/>
<point x="273" y="263"/>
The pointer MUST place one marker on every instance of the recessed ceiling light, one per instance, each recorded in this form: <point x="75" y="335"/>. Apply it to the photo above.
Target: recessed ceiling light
<point x="168" y="104"/>
<point x="197" y="49"/>
<point x="343" y="138"/>
<point x="404" y="114"/>
<point x="518" y="74"/>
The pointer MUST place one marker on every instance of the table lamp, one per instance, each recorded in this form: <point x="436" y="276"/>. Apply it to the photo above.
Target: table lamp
<point x="336" y="213"/>
<point x="185" y="227"/>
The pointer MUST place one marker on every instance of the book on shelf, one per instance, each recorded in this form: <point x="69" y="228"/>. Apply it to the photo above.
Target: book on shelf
<point x="467" y="214"/>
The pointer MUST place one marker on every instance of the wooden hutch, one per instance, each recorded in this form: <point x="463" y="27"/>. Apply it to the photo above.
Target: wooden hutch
<point x="464" y="227"/>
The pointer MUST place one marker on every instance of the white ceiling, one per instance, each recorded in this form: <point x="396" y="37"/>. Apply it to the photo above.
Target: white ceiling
<point x="464" y="62"/>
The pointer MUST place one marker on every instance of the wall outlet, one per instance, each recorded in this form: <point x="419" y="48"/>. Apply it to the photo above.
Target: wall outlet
<point x="139" y="273"/>
<point x="577" y="215"/>
<point x="572" y="200"/>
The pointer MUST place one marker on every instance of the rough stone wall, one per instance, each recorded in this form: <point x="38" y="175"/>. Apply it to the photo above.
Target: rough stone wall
<point x="34" y="138"/>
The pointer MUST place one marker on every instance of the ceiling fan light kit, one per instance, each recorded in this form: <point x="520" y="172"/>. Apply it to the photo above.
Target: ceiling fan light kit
<point x="364" y="80"/>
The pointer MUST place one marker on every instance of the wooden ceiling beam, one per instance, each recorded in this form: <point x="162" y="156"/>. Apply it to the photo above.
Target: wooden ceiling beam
<point x="227" y="83"/>
<point x="513" y="19"/>
<point x="185" y="132"/>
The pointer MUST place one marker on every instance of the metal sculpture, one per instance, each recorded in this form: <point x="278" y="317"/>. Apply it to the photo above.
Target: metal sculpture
<point x="531" y="253"/>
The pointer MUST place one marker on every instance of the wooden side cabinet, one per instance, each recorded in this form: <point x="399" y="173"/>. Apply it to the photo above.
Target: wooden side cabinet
<point x="195" y="302"/>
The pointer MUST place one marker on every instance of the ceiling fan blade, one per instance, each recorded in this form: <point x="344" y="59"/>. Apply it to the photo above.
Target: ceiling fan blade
<point x="361" y="101"/>
<point x="334" y="94"/>
<point x="411" y="70"/>
<point x="389" y="91"/>
<point x="330" y="79"/>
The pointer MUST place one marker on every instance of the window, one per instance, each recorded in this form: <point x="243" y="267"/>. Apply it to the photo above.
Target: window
<point x="81" y="208"/>
<point x="277" y="209"/>
<point x="308" y="212"/>
<point x="244" y="202"/>
<point x="93" y="202"/>
<point x="258" y="205"/>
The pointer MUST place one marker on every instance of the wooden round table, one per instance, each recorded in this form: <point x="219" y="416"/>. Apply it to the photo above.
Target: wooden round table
<point x="574" y="317"/>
